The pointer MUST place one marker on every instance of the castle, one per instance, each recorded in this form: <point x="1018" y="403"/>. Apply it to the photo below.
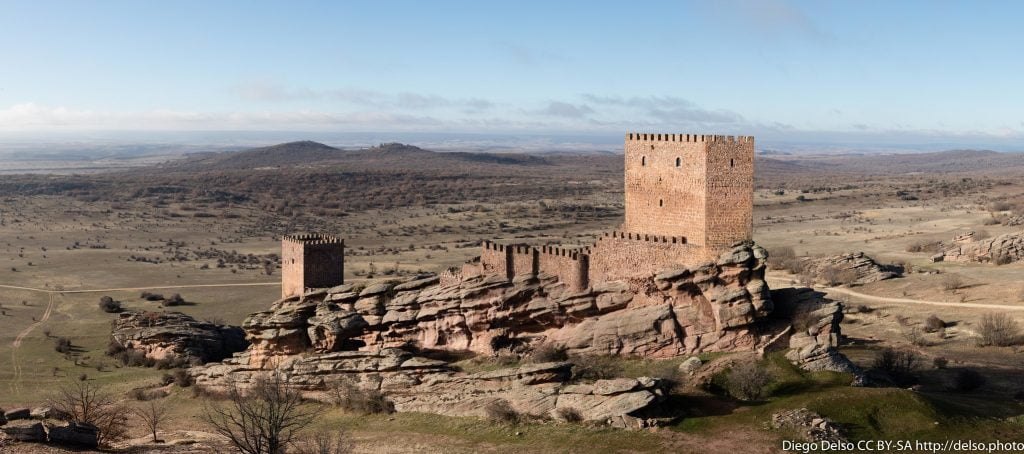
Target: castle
<point x="688" y="197"/>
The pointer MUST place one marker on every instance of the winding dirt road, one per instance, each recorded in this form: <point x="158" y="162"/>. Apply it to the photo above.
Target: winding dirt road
<point x="886" y="299"/>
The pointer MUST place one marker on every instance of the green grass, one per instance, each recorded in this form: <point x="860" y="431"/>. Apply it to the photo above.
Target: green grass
<point x="863" y="413"/>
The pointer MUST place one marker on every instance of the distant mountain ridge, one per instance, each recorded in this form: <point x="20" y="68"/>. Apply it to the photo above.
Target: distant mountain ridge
<point x="308" y="153"/>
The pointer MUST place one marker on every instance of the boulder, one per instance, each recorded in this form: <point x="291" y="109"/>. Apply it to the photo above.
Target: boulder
<point x="854" y="268"/>
<point x="812" y="426"/>
<point x="1006" y="248"/>
<point x="690" y="365"/>
<point x="29" y="431"/>
<point x="17" y="413"/>
<point x="73" y="434"/>
<point x="173" y="335"/>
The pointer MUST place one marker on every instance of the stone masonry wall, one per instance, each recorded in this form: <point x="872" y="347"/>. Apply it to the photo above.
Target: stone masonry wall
<point x="730" y="192"/>
<point x="620" y="255"/>
<point x="571" y="266"/>
<point x="524" y="259"/>
<point x="291" y="268"/>
<point x="663" y="198"/>
<point x="496" y="260"/>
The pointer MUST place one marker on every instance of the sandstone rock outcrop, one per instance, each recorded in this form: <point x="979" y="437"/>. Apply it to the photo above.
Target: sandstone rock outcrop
<point x="814" y="332"/>
<point x="711" y="307"/>
<point x="854" y="268"/>
<point x="811" y="425"/>
<point x="420" y="384"/>
<point x="173" y="335"/>
<point x="1006" y="248"/>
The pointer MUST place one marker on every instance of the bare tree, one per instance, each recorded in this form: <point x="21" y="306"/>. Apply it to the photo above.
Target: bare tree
<point x="261" y="420"/>
<point x="87" y="403"/>
<point x="153" y="415"/>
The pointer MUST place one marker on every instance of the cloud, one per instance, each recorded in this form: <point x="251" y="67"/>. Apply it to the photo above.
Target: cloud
<point x="668" y="109"/>
<point x="278" y="93"/>
<point x="567" y="110"/>
<point x="772" y="19"/>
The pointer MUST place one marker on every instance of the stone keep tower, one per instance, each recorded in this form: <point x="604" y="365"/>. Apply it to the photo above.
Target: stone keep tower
<point x="311" y="261"/>
<point x="697" y="187"/>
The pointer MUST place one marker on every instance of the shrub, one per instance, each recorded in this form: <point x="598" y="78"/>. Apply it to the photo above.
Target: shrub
<point x="151" y="296"/>
<point x="174" y="300"/>
<point x="933" y="324"/>
<point x="998" y="329"/>
<point x="87" y="403"/>
<point x="568" y="414"/>
<point x="182" y="378"/>
<point x="336" y="442"/>
<point x="547" y="353"/>
<point x="108" y="305"/>
<point x="899" y="365"/>
<point x="595" y="367"/>
<point x="924" y="246"/>
<point x="747" y="380"/>
<point x="501" y="410"/>
<point x="915" y="337"/>
<point x="940" y="362"/>
<point x="952" y="282"/>
<point x="354" y="399"/>
<point x="966" y="380"/>
<point x="62" y="345"/>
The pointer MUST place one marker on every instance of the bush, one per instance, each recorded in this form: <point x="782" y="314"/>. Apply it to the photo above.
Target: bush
<point x="108" y="305"/>
<point x="336" y="442"/>
<point x="352" y="398"/>
<point x="547" y="353"/>
<point x="952" y="282"/>
<point x="966" y="380"/>
<point x="62" y="345"/>
<point x="568" y="414"/>
<point x="182" y="378"/>
<point x="998" y="329"/>
<point x="594" y="367"/>
<point x="924" y="246"/>
<point x="898" y="365"/>
<point x="940" y="362"/>
<point x="748" y="380"/>
<point x="151" y="296"/>
<point x="174" y="300"/>
<point x="915" y="337"/>
<point x="501" y="410"/>
<point x="933" y="324"/>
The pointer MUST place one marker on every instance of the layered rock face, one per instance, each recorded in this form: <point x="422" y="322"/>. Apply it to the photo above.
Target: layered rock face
<point x="813" y="330"/>
<point x="711" y="307"/>
<point x="1006" y="248"/>
<point x="173" y="335"/>
<point x="851" y="268"/>
<point x="419" y="384"/>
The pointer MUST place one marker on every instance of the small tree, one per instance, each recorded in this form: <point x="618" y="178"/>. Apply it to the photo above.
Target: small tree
<point x="153" y="415"/>
<point x="108" y="305"/>
<point x="262" y="420"/>
<point x="87" y="403"/>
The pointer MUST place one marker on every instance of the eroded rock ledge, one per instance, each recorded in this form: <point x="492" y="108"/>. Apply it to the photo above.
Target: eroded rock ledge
<point x="1006" y="248"/>
<point x="363" y="336"/>
<point x="173" y="335"/>
<point x="712" y="307"/>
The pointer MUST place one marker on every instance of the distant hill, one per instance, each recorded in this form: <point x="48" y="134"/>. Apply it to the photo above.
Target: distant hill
<point x="387" y="156"/>
<point x="952" y="161"/>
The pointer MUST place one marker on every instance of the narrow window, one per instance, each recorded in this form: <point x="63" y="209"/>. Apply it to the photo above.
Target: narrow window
<point x="678" y="161"/>
<point x="731" y="163"/>
<point x="643" y="160"/>
<point x="661" y="202"/>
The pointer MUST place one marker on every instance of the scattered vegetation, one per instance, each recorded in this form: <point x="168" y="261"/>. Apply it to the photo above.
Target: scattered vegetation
<point x="998" y="329"/>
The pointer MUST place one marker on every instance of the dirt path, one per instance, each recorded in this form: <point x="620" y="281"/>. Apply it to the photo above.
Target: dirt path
<point x="886" y="299"/>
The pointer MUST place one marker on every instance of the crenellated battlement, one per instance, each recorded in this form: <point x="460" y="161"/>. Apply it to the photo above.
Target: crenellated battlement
<point x="571" y="253"/>
<point x="645" y="237"/>
<point x="692" y="138"/>
<point x="312" y="239"/>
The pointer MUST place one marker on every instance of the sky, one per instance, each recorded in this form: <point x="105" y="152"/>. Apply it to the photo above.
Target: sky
<point x="814" y="71"/>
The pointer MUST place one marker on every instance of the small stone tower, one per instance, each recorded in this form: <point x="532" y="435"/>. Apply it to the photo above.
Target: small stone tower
<point x="311" y="261"/>
<point x="695" y="187"/>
